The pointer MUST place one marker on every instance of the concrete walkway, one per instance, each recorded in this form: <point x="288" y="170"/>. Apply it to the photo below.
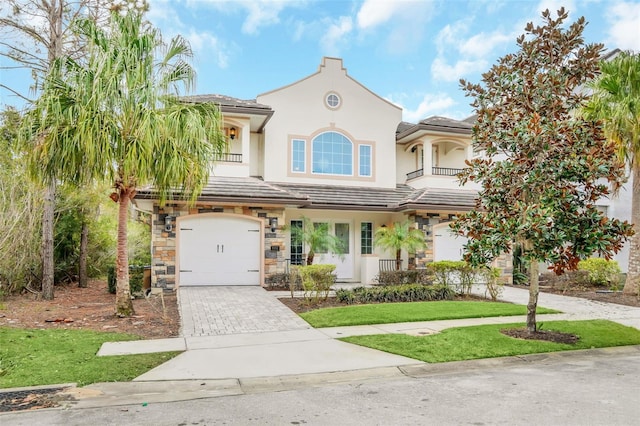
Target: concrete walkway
<point x="244" y="332"/>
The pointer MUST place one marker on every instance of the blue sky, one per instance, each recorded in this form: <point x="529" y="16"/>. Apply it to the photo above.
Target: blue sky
<point x="410" y="52"/>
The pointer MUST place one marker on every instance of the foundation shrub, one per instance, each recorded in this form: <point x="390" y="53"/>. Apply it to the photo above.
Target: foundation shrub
<point x="316" y="281"/>
<point x="412" y="276"/>
<point x="283" y="280"/>
<point x="397" y="293"/>
<point x="601" y="272"/>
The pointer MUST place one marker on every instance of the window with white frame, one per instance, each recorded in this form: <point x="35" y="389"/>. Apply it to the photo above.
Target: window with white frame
<point x="332" y="154"/>
<point x="298" y="156"/>
<point x="364" y="160"/>
<point x="366" y="238"/>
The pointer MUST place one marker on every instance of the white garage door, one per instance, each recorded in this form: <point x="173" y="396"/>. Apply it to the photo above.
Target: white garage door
<point x="219" y="251"/>
<point x="446" y="244"/>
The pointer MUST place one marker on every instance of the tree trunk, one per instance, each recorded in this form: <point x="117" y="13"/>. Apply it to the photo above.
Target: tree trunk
<point x="124" y="307"/>
<point x="84" y="242"/>
<point x="47" y="241"/>
<point x="398" y="259"/>
<point x="533" y="295"/>
<point x="632" y="284"/>
<point x="310" y="257"/>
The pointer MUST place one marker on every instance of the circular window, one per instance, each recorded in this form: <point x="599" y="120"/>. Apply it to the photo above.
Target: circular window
<point x="332" y="100"/>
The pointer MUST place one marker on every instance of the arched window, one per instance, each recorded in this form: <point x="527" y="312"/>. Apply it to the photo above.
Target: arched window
<point x="332" y="154"/>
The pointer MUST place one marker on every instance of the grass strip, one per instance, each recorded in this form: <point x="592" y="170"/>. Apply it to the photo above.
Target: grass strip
<point x="43" y="357"/>
<point x="486" y="341"/>
<point x="387" y="313"/>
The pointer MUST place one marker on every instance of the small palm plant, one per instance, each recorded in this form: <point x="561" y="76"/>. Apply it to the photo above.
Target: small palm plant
<point x="316" y="237"/>
<point x="400" y="236"/>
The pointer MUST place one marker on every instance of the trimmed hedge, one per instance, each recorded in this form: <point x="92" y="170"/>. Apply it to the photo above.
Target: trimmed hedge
<point x="412" y="276"/>
<point x="398" y="293"/>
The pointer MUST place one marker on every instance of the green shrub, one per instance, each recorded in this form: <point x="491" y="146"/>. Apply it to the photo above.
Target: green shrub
<point x="136" y="278"/>
<point x="445" y="272"/>
<point x="494" y="285"/>
<point x="398" y="293"/>
<point x="412" y="276"/>
<point x="601" y="272"/>
<point x="316" y="281"/>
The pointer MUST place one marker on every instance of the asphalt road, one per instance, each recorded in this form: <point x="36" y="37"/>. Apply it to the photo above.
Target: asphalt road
<point x="586" y="388"/>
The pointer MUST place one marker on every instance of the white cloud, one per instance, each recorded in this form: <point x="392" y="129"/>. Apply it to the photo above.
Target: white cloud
<point x="482" y="44"/>
<point x="335" y="35"/>
<point x="624" y="26"/>
<point x="431" y="104"/>
<point x="205" y="44"/>
<point x="441" y="70"/>
<point x="376" y="12"/>
<point x="261" y="14"/>
<point x="460" y="54"/>
<point x="554" y="6"/>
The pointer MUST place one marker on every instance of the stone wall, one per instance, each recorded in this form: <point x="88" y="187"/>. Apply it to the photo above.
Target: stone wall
<point x="163" y="243"/>
<point x="425" y="222"/>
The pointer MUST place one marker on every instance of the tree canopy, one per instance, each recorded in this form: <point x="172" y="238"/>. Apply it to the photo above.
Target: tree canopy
<point x="117" y="115"/>
<point x="542" y="168"/>
<point x="616" y="102"/>
<point x="400" y="236"/>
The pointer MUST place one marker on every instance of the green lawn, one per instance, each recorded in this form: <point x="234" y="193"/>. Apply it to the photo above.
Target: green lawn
<point x="486" y="341"/>
<point x="386" y="313"/>
<point x="41" y="357"/>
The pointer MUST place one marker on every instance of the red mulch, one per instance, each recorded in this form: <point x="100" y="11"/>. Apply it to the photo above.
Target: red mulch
<point x="92" y="308"/>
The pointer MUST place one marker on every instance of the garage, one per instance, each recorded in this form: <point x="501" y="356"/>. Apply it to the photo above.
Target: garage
<point x="217" y="249"/>
<point x="446" y="244"/>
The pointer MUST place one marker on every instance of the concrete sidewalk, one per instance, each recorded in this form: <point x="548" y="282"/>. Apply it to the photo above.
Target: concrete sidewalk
<point x="301" y="350"/>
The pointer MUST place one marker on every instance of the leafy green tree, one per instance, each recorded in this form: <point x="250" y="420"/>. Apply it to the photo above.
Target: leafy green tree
<point x="400" y="236"/>
<point x="33" y="34"/>
<point x="117" y="116"/>
<point x="316" y="238"/>
<point x="543" y="167"/>
<point x="20" y="210"/>
<point x="616" y="101"/>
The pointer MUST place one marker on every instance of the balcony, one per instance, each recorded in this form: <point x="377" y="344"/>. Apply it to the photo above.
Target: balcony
<point x="436" y="171"/>
<point x="229" y="158"/>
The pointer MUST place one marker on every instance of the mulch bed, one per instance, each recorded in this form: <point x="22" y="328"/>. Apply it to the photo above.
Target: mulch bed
<point x="32" y="399"/>
<point x="546" y="335"/>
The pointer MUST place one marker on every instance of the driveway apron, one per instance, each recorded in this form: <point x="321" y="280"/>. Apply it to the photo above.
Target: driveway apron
<point x="222" y="310"/>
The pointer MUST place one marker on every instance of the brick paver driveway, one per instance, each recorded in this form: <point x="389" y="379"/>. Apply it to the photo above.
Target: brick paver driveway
<point x="218" y="310"/>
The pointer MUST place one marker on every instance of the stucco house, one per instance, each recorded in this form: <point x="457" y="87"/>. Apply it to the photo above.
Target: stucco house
<point x="324" y="147"/>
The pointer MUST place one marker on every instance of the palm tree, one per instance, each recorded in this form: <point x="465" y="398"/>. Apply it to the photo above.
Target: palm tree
<point x="117" y="116"/>
<point x="616" y="102"/>
<point x="316" y="237"/>
<point x="401" y="236"/>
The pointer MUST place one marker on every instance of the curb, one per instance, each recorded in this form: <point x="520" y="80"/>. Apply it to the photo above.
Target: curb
<point x="111" y="394"/>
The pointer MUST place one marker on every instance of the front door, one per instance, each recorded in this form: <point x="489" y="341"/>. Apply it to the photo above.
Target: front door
<point x="343" y="262"/>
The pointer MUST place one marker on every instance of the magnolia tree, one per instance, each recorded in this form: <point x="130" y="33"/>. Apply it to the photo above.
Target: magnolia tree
<point x="543" y="168"/>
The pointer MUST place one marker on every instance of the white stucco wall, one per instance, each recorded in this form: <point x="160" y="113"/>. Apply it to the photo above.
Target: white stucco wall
<point x="301" y="112"/>
<point x="619" y="207"/>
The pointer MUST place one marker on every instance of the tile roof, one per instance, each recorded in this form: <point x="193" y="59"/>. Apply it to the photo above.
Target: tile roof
<point x="440" y="198"/>
<point x="335" y="197"/>
<point x="350" y="197"/>
<point x="434" y="123"/>
<point x="227" y="102"/>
